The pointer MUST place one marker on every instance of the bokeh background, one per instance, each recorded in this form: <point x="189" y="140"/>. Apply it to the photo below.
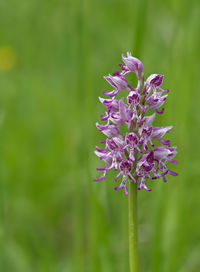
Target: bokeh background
<point x="53" y="56"/>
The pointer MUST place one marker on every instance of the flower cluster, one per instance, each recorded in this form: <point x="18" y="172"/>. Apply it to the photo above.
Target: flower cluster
<point x="134" y="153"/>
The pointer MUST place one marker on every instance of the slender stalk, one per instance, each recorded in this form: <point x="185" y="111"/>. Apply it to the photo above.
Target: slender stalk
<point x="133" y="248"/>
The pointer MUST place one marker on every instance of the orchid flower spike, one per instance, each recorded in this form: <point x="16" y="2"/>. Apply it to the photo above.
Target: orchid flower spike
<point x="133" y="153"/>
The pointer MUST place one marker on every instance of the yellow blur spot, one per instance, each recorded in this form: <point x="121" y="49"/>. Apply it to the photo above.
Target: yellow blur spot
<point x="7" y="58"/>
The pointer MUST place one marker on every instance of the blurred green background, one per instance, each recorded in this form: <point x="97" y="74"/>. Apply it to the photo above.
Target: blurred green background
<point x="53" y="56"/>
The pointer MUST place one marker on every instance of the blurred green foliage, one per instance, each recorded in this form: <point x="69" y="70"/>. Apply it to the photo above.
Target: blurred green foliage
<point x="53" y="55"/>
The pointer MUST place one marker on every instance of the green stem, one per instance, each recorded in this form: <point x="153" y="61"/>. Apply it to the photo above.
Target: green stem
<point x="133" y="248"/>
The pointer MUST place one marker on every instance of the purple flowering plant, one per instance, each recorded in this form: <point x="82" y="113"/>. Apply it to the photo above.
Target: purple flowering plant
<point x="134" y="154"/>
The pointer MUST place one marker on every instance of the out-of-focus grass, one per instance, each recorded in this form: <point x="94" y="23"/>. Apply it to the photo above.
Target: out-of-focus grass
<point x="53" y="55"/>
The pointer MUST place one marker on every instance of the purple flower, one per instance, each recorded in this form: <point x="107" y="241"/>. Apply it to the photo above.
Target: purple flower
<point x="153" y="82"/>
<point x="132" y="64"/>
<point x="133" y="100"/>
<point x="132" y="143"/>
<point x="148" y="133"/>
<point x="112" y="154"/>
<point x="117" y="111"/>
<point x="118" y="81"/>
<point x="112" y="107"/>
<point x="145" y="131"/>
<point x="146" y="164"/>
<point x="163" y="154"/>
<point x="129" y="145"/>
<point x="125" y="167"/>
<point x="144" y="167"/>
<point x="155" y="101"/>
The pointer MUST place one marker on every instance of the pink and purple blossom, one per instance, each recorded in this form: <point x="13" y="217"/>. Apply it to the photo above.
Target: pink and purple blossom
<point x="140" y="154"/>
